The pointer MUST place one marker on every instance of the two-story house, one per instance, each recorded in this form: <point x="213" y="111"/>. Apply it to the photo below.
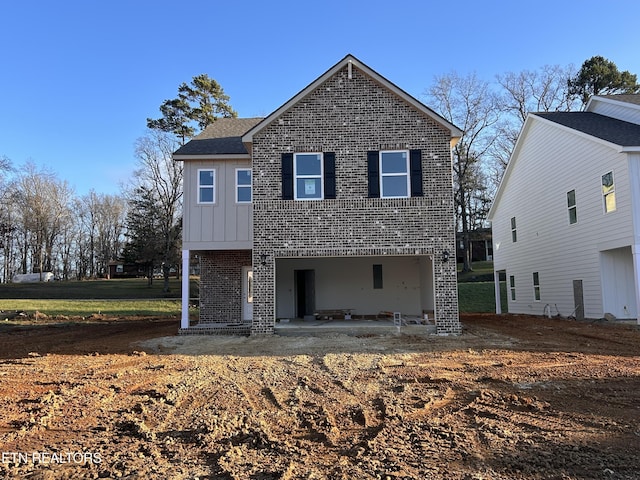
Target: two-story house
<point x="566" y="217"/>
<point x="341" y="198"/>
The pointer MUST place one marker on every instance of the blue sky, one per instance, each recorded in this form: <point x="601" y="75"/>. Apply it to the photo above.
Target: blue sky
<point x="80" y="77"/>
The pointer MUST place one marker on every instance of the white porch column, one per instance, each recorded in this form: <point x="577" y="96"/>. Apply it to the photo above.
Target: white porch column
<point x="496" y="284"/>
<point x="184" y="320"/>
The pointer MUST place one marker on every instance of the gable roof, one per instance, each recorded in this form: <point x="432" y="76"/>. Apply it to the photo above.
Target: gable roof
<point x="222" y="138"/>
<point x="605" y="128"/>
<point x="624" y="136"/>
<point x="350" y="61"/>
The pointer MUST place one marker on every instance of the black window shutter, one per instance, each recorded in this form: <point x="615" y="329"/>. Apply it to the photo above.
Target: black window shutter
<point x="329" y="175"/>
<point x="415" y="166"/>
<point x="287" y="176"/>
<point x="373" y="169"/>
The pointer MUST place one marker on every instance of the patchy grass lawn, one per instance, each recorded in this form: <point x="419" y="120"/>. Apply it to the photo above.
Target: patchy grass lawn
<point x="479" y="297"/>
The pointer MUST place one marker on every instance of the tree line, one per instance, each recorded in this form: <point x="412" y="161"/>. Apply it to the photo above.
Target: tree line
<point x="44" y="227"/>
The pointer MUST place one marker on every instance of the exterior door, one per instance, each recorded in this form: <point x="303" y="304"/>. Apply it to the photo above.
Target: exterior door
<point x="578" y="300"/>
<point x="247" y="294"/>
<point x="305" y="281"/>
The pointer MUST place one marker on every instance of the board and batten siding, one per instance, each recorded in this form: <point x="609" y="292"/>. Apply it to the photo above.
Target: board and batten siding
<point x="551" y="162"/>
<point x="223" y="225"/>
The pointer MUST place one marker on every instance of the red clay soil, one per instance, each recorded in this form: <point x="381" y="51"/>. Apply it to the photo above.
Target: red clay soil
<point x="514" y="397"/>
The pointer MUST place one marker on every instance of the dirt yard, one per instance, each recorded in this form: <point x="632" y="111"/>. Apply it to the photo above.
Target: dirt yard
<point x="512" y="398"/>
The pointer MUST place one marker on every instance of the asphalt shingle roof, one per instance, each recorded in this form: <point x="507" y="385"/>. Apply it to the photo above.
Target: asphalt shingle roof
<point x="624" y="97"/>
<point x="612" y="130"/>
<point x="224" y="136"/>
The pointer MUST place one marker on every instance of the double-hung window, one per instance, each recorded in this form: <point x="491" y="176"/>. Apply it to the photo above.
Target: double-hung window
<point x="394" y="174"/>
<point x="514" y="231"/>
<point x="243" y="185"/>
<point x="608" y="192"/>
<point x="571" y="205"/>
<point x="206" y="186"/>
<point x="536" y="286"/>
<point x="308" y="177"/>
<point x="512" y="287"/>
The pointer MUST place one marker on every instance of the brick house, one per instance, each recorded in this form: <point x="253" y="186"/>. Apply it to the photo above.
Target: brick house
<point x="341" y="199"/>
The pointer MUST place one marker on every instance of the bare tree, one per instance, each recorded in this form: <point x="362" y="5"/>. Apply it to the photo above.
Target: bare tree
<point x="469" y="103"/>
<point x="542" y="90"/>
<point x="161" y="177"/>
<point x="43" y="209"/>
<point x="101" y="223"/>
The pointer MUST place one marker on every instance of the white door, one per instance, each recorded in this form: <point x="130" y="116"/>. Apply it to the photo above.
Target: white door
<point x="247" y="294"/>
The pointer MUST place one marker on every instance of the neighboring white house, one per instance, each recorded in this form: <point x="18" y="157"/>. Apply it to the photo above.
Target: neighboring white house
<point x="566" y="217"/>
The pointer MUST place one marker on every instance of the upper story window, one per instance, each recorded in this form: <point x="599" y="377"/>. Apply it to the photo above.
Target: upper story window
<point x="243" y="185"/>
<point x="206" y="186"/>
<point x="514" y="233"/>
<point x="571" y="205"/>
<point x="608" y="192"/>
<point x="307" y="172"/>
<point x="308" y="176"/>
<point x="394" y="174"/>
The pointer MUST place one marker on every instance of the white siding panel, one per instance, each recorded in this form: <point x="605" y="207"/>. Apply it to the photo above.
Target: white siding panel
<point x="627" y="113"/>
<point x="550" y="164"/>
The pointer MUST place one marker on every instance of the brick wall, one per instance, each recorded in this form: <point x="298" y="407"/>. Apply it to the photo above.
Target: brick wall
<point x="350" y="117"/>
<point x="221" y="285"/>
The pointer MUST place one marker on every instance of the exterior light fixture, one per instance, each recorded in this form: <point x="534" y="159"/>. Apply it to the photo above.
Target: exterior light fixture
<point x="263" y="259"/>
<point x="445" y="256"/>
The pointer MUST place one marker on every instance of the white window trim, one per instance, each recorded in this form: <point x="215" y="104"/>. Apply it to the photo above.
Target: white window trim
<point x="213" y="187"/>
<point x="407" y="174"/>
<point x="238" y="186"/>
<point x="604" y="201"/>
<point x="296" y="176"/>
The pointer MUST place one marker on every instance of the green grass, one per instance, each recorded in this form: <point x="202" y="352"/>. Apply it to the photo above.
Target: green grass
<point x="479" y="297"/>
<point x="116" y="297"/>
<point x="94" y="289"/>
<point x="482" y="272"/>
<point x="85" y="308"/>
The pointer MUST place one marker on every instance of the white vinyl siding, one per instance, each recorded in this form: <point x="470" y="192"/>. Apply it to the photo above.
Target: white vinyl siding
<point x="538" y="200"/>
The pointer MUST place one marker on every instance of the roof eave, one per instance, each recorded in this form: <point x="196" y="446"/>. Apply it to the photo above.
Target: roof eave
<point x="210" y="156"/>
